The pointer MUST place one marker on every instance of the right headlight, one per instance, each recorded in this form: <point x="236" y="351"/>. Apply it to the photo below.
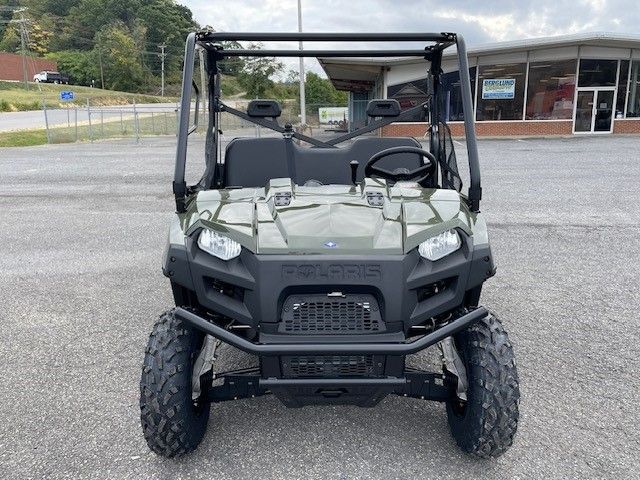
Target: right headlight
<point x="440" y="246"/>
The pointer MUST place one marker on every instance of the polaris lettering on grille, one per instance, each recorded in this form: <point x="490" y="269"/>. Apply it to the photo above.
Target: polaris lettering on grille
<point x="332" y="272"/>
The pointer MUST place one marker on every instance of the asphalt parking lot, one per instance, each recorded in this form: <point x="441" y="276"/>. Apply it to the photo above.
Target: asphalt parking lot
<point x="82" y="228"/>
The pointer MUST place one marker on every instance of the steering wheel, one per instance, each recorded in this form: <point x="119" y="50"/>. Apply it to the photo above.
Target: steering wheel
<point x="418" y="175"/>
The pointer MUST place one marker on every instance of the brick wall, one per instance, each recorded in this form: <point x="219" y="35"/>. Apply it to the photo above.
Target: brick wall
<point x="11" y="66"/>
<point x="628" y="125"/>
<point x="487" y="129"/>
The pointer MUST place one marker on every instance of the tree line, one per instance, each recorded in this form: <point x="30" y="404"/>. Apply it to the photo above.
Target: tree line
<point x="115" y="44"/>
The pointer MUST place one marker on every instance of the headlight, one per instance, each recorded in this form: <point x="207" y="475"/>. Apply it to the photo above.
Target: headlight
<point x="440" y="246"/>
<point x="218" y="245"/>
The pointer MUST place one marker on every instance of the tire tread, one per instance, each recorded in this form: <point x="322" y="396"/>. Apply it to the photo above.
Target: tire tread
<point x="489" y="427"/>
<point x="170" y="424"/>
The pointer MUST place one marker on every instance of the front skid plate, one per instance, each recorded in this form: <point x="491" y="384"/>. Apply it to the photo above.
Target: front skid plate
<point x="307" y="391"/>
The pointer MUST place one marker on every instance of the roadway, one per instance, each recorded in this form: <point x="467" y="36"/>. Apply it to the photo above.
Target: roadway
<point x="34" y="119"/>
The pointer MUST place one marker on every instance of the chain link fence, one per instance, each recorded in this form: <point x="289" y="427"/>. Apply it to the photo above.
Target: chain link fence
<point x="135" y="121"/>
<point x="91" y="123"/>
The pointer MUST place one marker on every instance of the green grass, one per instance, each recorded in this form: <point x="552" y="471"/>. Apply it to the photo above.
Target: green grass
<point x="23" y="139"/>
<point x="14" y="97"/>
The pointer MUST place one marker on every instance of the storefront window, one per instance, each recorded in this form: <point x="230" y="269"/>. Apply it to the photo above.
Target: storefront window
<point x="551" y="89"/>
<point x="633" y="106"/>
<point x="501" y="91"/>
<point x="622" y="88"/>
<point x="409" y="94"/>
<point x="597" y="73"/>
<point x="452" y="96"/>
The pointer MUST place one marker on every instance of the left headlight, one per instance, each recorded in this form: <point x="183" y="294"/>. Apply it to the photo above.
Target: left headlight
<point x="218" y="245"/>
<point x="440" y="246"/>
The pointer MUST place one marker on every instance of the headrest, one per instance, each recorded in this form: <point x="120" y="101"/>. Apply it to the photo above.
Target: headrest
<point x="383" y="108"/>
<point x="264" y="109"/>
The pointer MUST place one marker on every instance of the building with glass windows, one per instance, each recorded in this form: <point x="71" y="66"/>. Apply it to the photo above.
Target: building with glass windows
<point x="572" y="84"/>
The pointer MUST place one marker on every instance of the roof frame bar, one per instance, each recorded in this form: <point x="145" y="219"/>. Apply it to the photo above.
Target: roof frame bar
<point x="210" y="36"/>
<point x="325" y="53"/>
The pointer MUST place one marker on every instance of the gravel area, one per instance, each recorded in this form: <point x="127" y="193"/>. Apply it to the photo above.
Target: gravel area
<point x="82" y="231"/>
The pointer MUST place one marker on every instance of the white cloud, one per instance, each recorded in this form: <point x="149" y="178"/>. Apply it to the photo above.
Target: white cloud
<point x="479" y="21"/>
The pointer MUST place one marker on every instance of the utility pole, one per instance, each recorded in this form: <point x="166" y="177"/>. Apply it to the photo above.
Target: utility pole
<point x="303" y="104"/>
<point x="162" y="56"/>
<point x="23" y="46"/>
<point x="101" y="69"/>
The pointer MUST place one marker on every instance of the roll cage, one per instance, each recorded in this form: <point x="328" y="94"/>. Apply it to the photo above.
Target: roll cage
<point x="210" y="42"/>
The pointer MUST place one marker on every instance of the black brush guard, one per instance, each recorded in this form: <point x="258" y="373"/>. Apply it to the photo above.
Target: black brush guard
<point x="296" y="392"/>
<point x="277" y="349"/>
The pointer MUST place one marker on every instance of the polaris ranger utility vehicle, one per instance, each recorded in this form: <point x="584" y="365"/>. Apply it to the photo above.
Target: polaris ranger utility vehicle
<point x="331" y="264"/>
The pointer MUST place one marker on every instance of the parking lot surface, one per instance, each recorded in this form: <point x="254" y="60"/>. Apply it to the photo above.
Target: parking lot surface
<point x="82" y="228"/>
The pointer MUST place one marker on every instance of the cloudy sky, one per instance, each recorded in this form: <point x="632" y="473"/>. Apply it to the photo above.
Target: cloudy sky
<point x="480" y="21"/>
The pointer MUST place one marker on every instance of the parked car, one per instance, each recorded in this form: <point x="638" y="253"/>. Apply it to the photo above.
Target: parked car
<point x="47" y="76"/>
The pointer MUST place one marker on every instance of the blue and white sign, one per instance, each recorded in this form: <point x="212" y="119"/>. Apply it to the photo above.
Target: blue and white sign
<point x="67" y="95"/>
<point x="498" y="88"/>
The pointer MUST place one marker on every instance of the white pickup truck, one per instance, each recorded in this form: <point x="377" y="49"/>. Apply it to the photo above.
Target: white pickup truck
<point x="47" y="76"/>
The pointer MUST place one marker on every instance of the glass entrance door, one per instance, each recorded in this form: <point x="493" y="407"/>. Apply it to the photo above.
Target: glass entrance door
<point x="584" y="111"/>
<point x="603" y="111"/>
<point x="594" y="111"/>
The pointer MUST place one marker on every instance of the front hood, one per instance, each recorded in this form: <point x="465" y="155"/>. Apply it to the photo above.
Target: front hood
<point x="330" y="219"/>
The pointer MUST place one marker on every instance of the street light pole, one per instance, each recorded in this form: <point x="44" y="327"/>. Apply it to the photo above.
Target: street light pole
<point x="303" y="105"/>
<point x="162" y="55"/>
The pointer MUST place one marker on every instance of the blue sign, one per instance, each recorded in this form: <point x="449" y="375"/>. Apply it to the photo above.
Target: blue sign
<point x="67" y="96"/>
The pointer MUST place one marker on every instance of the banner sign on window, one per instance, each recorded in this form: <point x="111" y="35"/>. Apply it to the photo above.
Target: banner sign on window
<point x="498" y="88"/>
<point x="333" y="115"/>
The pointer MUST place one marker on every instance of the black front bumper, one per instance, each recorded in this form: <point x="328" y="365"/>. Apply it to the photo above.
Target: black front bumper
<point x="252" y="290"/>
<point x="331" y="348"/>
<point x="387" y="375"/>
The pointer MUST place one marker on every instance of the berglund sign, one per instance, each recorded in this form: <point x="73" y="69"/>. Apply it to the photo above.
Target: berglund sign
<point x="498" y="88"/>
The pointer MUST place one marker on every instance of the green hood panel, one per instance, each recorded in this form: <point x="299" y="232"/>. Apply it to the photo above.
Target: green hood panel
<point x="330" y="219"/>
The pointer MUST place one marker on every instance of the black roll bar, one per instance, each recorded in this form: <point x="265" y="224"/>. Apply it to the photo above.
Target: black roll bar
<point x="208" y="39"/>
<point x="323" y="53"/>
<point x="179" y="184"/>
<point x="475" y="189"/>
<point x="326" y="37"/>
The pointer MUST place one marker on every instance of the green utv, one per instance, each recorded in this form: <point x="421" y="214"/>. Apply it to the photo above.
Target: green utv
<point x="330" y="264"/>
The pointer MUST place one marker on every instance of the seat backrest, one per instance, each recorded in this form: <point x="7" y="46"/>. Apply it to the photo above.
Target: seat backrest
<point x="252" y="162"/>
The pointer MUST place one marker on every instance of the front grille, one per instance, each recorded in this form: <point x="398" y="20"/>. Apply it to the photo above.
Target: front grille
<point x="330" y="366"/>
<point x="326" y="314"/>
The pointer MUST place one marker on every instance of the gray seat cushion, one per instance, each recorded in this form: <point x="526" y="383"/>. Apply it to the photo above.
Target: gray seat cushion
<point x="252" y="162"/>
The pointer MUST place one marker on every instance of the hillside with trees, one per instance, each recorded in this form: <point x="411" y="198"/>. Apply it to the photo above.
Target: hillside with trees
<point x="115" y="44"/>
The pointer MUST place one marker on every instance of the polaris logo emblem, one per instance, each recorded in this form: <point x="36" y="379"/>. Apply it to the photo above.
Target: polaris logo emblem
<point x="331" y="244"/>
<point x="334" y="272"/>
